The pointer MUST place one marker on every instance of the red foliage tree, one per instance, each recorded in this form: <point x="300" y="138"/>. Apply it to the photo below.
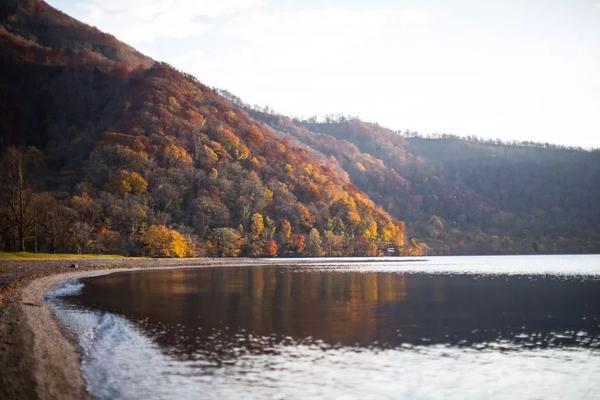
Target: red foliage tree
<point x="270" y="248"/>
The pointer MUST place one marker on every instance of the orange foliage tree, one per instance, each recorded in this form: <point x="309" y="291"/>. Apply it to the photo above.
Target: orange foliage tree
<point x="177" y="155"/>
<point x="270" y="248"/>
<point x="160" y="241"/>
<point x="298" y="242"/>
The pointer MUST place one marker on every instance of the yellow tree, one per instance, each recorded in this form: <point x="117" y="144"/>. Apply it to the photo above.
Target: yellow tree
<point x="126" y="182"/>
<point x="393" y="233"/>
<point x="257" y="226"/>
<point x="370" y="231"/>
<point x="160" y="241"/>
<point x="388" y="232"/>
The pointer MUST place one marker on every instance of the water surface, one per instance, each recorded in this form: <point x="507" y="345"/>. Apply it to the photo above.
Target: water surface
<point x="449" y="327"/>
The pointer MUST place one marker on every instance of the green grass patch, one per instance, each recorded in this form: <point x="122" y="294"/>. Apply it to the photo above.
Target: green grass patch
<point x="58" y="256"/>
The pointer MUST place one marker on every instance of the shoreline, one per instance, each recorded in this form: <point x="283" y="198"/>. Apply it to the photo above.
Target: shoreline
<point x="42" y="360"/>
<point x="39" y="357"/>
<point x="54" y="348"/>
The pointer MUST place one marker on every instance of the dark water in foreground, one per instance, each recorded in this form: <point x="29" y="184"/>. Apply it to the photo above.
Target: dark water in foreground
<point x="453" y="327"/>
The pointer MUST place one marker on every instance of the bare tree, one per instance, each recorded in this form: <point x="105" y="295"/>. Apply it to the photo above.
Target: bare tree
<point x="16" y="196"/>
<point x="53" y="219"/>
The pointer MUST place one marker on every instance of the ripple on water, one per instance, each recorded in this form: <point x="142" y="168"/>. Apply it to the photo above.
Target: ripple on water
<point x="121" y="362"/>
<point x="517" y="336"/>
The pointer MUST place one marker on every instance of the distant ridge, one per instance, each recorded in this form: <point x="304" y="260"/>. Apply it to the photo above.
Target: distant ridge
<point x="466" y="195"/>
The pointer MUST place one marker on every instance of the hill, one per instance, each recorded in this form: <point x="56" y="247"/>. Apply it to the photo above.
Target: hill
<point x="123" y="154"/>
<point x="465" y="195"/>
<point x="106" y="150"/>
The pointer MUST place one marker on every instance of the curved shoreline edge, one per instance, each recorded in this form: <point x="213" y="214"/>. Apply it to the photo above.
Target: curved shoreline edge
<point x="39" y="357"/>
<point x="43" y="358"/>
<point x="50" y="357"/>
<point x="57" y="366"/>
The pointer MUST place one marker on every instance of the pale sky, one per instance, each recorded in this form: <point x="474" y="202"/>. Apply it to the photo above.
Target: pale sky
<point x="511" y="69"/>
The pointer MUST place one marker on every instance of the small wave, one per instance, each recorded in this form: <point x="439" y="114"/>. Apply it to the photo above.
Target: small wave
<point x="119" y="362"/>
<point x="70" y="287"/>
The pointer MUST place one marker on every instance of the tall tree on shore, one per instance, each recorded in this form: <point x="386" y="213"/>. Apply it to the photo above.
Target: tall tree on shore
<point x="16" y="196"/>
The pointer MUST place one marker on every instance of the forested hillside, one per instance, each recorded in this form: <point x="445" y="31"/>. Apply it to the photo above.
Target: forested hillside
<point x="464" y="195"/>
<point x="106" y="150"/>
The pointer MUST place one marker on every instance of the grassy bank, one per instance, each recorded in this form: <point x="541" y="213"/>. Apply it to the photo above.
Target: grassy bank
<point x="58" y="256"/>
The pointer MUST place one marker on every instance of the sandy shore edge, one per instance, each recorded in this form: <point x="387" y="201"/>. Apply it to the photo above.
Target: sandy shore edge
<point x="39" y="357"/>
<point x="46" y="354"/>
<point x="54" y="349"/>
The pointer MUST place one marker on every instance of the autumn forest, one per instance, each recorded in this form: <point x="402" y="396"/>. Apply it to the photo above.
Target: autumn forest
<point x="107" y="151"/>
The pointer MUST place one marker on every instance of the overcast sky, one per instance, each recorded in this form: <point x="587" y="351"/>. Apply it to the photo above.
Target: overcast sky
<point x="512" y="69"/>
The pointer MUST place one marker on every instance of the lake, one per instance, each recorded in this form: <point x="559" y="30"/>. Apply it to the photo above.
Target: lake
<point x="505" y="327"/>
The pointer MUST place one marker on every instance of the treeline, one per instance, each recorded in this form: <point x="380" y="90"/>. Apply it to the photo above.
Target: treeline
<point x="495" y="142"/>
<point x="117" y="221"/>
<point x="342" y="119"/>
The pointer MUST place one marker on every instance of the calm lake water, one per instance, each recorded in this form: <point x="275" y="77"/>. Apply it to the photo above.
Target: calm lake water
<point x="516" y="327"/>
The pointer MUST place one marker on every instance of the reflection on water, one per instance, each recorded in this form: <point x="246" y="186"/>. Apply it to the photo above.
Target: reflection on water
<point x="321" y="332"/>
<point x="383" y="309"/>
